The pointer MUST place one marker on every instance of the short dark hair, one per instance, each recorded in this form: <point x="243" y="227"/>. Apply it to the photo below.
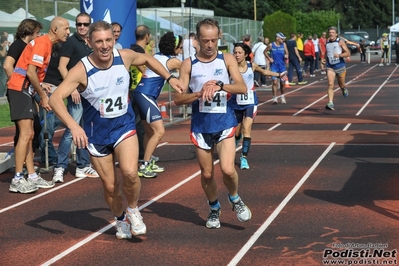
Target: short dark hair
<point x="246" y="48"/>
<point x="98" y="26"/>
<point x="116" y="23"/>
<point x="141" y="32"/>
<point x="82" y="14"/>
<point x="27" y="27"/>
<point x="167" y="43"/>
<point x="207" y="22"/>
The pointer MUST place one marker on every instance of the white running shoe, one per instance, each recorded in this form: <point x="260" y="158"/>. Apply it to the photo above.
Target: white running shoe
<point x="40" y="182"/>
<point x="275" y="101"/>
<point x="283" y="99"/>
<point x="22" y="186"/>
<point x="58" y="176"/>
<point x="213" y="219"/>
<point x="87" y="171"/>
<point x="242" y="211"/>
<point x="123" y="229"/>
<point x="137" y="226"/>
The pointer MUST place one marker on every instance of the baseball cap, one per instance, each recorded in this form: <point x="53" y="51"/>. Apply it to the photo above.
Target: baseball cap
<point x="280" y="35"/>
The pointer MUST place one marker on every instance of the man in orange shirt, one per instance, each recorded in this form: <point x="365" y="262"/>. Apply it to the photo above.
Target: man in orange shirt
<point x="24" y="82"/>
<point x="322" y="49"/>
<point x="310" y="56"/>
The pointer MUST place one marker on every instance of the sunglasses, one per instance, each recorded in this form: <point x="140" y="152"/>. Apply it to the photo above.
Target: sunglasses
<point x="79" y="24"/>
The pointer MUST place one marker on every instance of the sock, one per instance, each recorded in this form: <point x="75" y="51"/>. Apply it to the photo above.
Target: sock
<point x="18" y="176"/>
<point x="33" y="176"/>
<point x="129" y="209"/>
<point x="246" y="143"/>
<point x="121" y="218"/>
<point x="234" y="199"/>
<point x="215" y="205"/>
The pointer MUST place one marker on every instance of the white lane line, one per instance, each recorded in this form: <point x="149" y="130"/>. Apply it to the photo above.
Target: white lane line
<point x="375" y="93"/>
<point x="51" y="190"/>
<point x="40" y="195"/>
<point x="277" y="211"/>
<point x="349" y="82"/>
<point x="104" y="229"/>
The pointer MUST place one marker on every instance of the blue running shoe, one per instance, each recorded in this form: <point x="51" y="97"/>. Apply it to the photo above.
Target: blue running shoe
<point x="244" y="163"/>
<point x="345" y="92"/>
<point x="330" y="106"/>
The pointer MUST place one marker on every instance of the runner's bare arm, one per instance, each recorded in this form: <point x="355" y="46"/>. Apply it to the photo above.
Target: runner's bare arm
<point x="184" y="77"/>
<point x="137" y="59"/>
<point x="76" y="77"/>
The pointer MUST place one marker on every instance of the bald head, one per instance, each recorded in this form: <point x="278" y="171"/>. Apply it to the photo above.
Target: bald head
<point x="59" y="30"/>
<point x="58" y="22"/>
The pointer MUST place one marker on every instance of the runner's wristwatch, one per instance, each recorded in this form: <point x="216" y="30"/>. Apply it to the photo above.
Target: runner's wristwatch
<point x="220" y="84"/>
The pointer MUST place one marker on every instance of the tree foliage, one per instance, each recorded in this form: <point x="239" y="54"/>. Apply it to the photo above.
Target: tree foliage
<point x="353" y="13"/>
<point x="278" y="22"/>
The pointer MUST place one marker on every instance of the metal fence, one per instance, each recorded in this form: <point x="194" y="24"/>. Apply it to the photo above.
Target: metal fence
<point x="182" y="23"/>
<point x="13" y="12"/>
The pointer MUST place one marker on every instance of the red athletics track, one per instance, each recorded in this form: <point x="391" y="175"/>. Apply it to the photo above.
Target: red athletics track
<point x="317" y="178"/>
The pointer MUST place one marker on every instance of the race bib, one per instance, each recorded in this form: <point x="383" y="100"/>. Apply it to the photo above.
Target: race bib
<point x="113" y="107"/>
<point x="247" y="98"/>
<point x="217" y="105"/>
<point x="333" y="60"/>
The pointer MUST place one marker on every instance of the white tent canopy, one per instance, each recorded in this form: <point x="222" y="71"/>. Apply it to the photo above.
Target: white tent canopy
<point x="13" y="20"/>
<point x="394" y="28"/>
<point x="168" y="25"/>
<point x="20" y="14"/>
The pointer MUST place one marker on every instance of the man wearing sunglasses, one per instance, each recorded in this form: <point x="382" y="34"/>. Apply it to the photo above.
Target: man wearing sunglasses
<point x="74" y="49"/>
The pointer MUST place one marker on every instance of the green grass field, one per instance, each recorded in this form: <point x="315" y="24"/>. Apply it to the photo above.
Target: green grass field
<point x="5" y="111"/>
<point x="5" y="116"/>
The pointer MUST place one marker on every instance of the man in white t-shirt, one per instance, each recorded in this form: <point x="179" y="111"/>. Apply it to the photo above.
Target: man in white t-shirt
<point x="315" y="41"/>
<point x="260" y="60"/>
<point x="189" y="46"/>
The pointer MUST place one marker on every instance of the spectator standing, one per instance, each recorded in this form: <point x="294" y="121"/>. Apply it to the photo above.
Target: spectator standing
<point x="143" y="36"/>
<point x="52" y="79"/>
<point x="299" y="45"/>
<point x="294" y="61"/>
<point x="315" y="41"/>
<point x="3" y="54"/>
<point x="150" y="46"/>
<point x="336" y="52"/>
<point x="260" y="60"/>
<point x="397" y="50"/>
<point x="362" y="51"/>
<point x="209" y="78"/>
<point x="74" y="49"/>
<point x="267" y="41"/>
<point x="189" y="46"/>
<point x="145" y="97"/>
<point x="384" y="43"/>
<point x="322" y="51"/>
<point x="278" y="55"/>
<point x="310" y="56"/>
<point x="114" y="128"/>
<point x="24" y="82"/>
<point x="247" y="39"/>
<point x="27" y="30"/>
<point x="117" y="29"/>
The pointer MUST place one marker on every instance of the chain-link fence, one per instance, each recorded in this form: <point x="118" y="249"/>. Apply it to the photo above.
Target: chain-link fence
<point x="13" y="12"/>
<point x="182" y="23"/>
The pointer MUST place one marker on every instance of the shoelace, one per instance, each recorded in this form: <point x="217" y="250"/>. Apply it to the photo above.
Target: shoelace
<point x="239" y="206"/>
<point x="213" y="215"/>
